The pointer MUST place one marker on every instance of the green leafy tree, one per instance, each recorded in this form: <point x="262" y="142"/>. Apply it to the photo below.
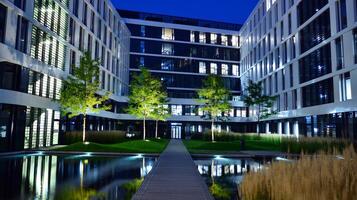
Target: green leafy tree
<point x="79" y="92"/>
<point x="254" y="97"/>
<point x="144" y="97"/>
<point x="161" y="110"/>
<point x="214" y="97"/>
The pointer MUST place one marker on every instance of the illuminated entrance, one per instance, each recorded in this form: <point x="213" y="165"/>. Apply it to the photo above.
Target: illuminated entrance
<point x="176" y="130"/>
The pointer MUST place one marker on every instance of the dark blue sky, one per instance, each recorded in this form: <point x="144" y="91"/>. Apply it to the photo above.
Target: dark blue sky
<point x="234" y="11"/>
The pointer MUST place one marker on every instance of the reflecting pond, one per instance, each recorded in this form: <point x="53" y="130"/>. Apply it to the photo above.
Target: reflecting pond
<point x="38" y="176"/>
<point x="227" y="173"/>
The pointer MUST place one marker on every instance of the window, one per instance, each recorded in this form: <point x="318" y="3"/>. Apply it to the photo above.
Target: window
<point x="291" y="75"/>
<point x="235" y="41"/>
<point x="142" y="46"/>
<point x="224" y="39"/>
<point x="142" y="31"/>
<point x="345" y="87"/>
<point x="167" y="34"/>
<point x="341" y="14"/>
<point x="167" y="49"/>
<point x="3" y="13"/>
<point x="176" y="109"/>
<point x="339" y="53"/>
<point x="202" y="37"/>
<point x="81" y="39"/>
<point x="202" y="67"/>
<point x="167" y="64"/>
<point x="213" y="38"/>
<point x="307" y="8"/>
<point x="72" y="31"/>
<point x="294" y="99"/>
<point x="84" y="17"/>
<point x="283" y="78"/>
<point x="20" y="4"/>
<point x="224" y="70"/>
<point x="75" y="7"/>
<point x="21" y="35"/>
<point x="292" y="47"/>
<point x="192" y="36"/>
<point x="289" y="24"/>
<point x="213" y="68"/>
<point x="354" y="33"/>
<point x="318" y="93"/>
<point x="235" y="70"/>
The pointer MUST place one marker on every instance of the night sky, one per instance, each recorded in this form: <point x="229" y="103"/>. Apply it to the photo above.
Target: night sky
<point x="234" y="11"/>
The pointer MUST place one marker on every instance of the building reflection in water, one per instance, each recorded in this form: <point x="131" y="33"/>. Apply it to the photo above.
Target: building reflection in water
<point x="42" y="176"/>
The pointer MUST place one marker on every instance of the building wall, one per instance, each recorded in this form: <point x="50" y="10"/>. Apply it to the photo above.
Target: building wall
<point x="304" y="51"/>
<point x="182" y="52"/>
<point x="40" y="43"/>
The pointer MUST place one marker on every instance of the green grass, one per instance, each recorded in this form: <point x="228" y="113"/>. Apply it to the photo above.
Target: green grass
<point x="133" y="146"/>
<point x="208" y="147"/>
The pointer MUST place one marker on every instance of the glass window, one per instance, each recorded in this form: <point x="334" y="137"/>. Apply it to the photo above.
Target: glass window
<point x="202" y="37"/>
<point x="21" y="35"/>
<point x="235" y="41"/>
<point x="167" y="49"/>
<point x="192" y="36"/>
<point x="339" y="53"/>
<point x="176" y="109"/>
<point x="341" y="14"/>
<point x="224" y="39"/>
<point x="224" y="70"/>
<point x="20" y="4"/>
<point x="213" y="38"/>
<point x="142" y="31"/>
<point x="318" y="93"/>
<point x="235" y="70"/>
<point x="167" y="34"/>
<point x="354" y="32"/>
<point x="167" y="64"/>
<point x="3" y="13"/>
<point x="345" y="87"/>
<point x="202" y="67"/>
<point x="213" y="68"/>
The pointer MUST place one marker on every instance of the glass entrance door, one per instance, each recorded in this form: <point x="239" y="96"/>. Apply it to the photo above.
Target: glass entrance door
<point x="176" y="130"/>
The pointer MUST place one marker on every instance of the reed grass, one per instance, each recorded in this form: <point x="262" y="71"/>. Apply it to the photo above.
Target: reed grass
<point x="325" y="175"/>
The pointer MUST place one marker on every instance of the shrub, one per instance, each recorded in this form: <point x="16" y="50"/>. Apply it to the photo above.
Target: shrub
<point x="103" y="137"/>
<point x="219" y="192"/>
<point x="312" y="145"/>
<point x="131" y="188"/>
<point x="321" y="176"/>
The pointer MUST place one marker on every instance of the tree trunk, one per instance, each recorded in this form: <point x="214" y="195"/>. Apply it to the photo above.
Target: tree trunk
<point x="84" y="128"/>
<point x="212" y="131"/>
<point x="157" y="121"/>
<point x="144" y="130"/>
<point x="258" y="126"/>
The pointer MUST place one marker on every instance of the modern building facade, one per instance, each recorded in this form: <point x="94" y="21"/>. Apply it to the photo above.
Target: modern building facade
<point x="304" y="52"/>
<point x="40" y="43"/>
<point x="182" y="52"/>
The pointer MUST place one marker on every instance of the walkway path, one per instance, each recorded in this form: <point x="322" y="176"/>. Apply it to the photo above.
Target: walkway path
<point x="175" y="176"/>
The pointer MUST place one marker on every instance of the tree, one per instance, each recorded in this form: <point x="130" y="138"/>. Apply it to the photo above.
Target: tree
<point x="79" y="92"/>
<point x="254" y="97"/>
<point x="214" y="96"/>
<point x="161" y="110"/>
<point x="144" y="97"/>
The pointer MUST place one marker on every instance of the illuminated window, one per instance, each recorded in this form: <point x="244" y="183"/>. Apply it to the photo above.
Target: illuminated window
<point x="213" y="38"/>
<point x="167" y="34"/>
<point x="202" y="37"/>
<point x="167" y="49"/>
<point x="202" y="67"/>
<point x="224" y="40"/>
<point x="224" y="70"/>
<point x="192" y="36"/>
<point x="213" y="68"/>
<point x="176" y="109"/>
<point x="235" y="70"/>
<point x="235" y="41"/>
<point x="345" y="87"/>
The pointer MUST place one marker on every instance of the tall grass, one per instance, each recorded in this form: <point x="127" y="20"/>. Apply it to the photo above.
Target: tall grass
<point x="321" y="176"/>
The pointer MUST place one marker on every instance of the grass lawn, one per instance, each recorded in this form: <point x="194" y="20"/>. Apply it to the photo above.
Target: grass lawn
<point x="208" y="147"/>
<point x="133" y="146"/>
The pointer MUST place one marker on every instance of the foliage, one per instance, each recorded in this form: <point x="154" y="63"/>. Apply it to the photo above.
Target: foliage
<point x="214" y="97"/>
<point x="132" y="146"/>
<point x="70" y="193"/>
<point x="145" y="96"/>
<point x="131" y="188"/>
<point x="161" y="110"/>
<point x="254" y="97"/>
<point x="322" y="176"/>
<point x="312" y="145"/>
<point x="79" y="92"/>
<point x="103" y="137"/>
<point x="219" y="192"/>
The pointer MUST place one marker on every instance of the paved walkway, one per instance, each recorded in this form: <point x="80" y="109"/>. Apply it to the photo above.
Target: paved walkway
<point x="175" y="176"/>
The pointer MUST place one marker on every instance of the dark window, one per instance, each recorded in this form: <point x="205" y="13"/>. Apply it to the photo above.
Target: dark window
<point x="3" y="13"/>
<point x="341" y="14"/>
<point x="75" y="7"/>
<point x="21" y="34"/>
<point x="307" y="8"/>
<point x="72" y="31"/>
<point x="355" y="45"/>
<point x="316" y="32"/>
<point x="339" y="53"/>
<point x="318" y="93"/>
<point x="20" y="4"/>
<point x="316" y="64"/>
<point x="291" y="71"/>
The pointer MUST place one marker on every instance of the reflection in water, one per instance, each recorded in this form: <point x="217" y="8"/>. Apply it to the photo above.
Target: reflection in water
<point x="225" y="172"/>
<point x="45" y="176"/>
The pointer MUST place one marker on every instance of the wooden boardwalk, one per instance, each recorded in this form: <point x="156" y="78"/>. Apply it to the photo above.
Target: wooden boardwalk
<point x="175" y="176"/>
